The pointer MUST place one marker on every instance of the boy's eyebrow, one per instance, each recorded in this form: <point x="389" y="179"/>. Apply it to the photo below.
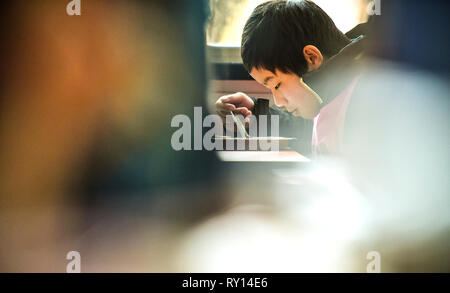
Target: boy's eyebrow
<point x="267" y="79"/>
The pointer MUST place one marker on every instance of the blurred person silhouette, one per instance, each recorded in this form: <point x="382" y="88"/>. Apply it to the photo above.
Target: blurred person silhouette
<point x="397" y="136"/>
<point x="86" y="103"/>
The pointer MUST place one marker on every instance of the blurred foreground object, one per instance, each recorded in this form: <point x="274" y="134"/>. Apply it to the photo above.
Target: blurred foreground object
<point x="86" y="103"/>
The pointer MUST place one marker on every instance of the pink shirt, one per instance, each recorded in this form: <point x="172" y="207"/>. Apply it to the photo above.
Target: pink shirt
<point x="329" y="123"/>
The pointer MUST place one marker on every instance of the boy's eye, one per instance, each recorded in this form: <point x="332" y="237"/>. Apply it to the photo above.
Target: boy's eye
<point x="277" y="86"/>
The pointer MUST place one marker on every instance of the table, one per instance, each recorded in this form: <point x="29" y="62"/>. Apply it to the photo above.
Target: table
<point x="262" y="156"/>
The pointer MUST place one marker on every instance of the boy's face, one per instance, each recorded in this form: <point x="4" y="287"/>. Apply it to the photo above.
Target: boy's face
<point x="289" y="92"/>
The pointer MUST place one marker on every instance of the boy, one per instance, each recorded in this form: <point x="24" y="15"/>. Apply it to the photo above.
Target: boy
<point x="287" y="45"/>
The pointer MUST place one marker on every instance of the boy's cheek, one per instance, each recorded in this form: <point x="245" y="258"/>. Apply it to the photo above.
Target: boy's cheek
<point x="297" y="94"/>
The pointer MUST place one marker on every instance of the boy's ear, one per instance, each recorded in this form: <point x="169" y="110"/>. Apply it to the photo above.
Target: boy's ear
<point x="313" y="57"/>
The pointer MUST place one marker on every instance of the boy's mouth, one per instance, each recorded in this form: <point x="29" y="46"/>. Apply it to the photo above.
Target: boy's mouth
<point x="284" y="108"/>
<point x="293" y="111"/>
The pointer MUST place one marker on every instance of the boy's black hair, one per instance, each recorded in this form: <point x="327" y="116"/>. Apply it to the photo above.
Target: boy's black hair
<point x="277" y="31"/>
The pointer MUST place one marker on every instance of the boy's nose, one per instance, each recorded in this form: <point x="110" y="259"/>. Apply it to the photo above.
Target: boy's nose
<point x="279" y="99"/>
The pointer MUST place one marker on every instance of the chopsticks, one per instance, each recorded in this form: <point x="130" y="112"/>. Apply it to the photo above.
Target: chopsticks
<point x="240" y="126"/>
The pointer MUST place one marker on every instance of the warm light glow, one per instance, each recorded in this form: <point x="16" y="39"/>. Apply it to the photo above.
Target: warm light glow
<point x="229" y="20"/>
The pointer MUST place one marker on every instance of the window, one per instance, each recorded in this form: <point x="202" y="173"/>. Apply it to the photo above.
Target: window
<point x="228" y="18"/>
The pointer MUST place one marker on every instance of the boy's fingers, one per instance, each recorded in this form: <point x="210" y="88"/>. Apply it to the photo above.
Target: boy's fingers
<point x="243" y="110"/>
<point x="224" y="109"/>
<point x="230" y="107"/>
<point x="235" y="99"/>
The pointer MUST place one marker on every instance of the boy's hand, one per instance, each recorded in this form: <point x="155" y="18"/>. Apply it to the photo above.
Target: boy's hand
<point x="239" y="103"/>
